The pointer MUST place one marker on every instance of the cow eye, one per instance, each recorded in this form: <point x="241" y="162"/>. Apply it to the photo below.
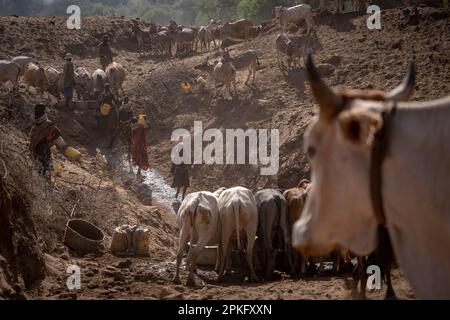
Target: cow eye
<point x="311" y="152"/>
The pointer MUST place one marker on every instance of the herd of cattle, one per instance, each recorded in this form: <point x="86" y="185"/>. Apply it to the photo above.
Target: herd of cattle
<point x="48" y="79"/>
<point x="160" y="40"/>
<point x="379" y="168"/>
<point x="262" y="223"/>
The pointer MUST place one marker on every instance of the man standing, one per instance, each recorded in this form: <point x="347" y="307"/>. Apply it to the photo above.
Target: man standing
<point x="68" y="81"/>
<point x="105" y="53"/>
<point x="139" y="34"/>
<point x="108" y="110"/>
<point x="180" y="174"/>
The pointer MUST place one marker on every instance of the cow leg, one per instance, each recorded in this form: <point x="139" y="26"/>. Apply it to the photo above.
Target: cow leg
<point x="225" y="248"/>
<point x="234" y="86"/>
<point x="254" y="72"/>
<point x="390" y="293"/>
<point x="251" y="233"/>
<point x="184" y="235"/>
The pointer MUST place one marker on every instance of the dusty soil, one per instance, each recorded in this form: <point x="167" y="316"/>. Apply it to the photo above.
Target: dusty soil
<point x="351" y="55"/>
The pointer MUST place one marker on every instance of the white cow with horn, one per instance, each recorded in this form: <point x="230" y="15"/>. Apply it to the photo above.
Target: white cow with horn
<point x="404" y="188"/>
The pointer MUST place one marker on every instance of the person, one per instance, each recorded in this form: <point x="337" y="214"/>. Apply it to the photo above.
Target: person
<point x="180" y="174"/>
<point x="105" y="53"/>
<point x="43" y="135"/>
<point x="125" y="116"/>
<point x="109" y="119"/>
<point x="68" y="81"/>
<point x="138" y="35"/>
<point x="139" y="146"/>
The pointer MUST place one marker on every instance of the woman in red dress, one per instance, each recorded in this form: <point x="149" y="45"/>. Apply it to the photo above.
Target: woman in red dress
<point x="139" y="145"/>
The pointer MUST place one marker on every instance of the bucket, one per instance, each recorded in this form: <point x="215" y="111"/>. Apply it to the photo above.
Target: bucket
<point x="83" y="236"/>
<point x="73" y="153"/>
<point x="60" y="143"/>
<point x="105" y="109"/>
<point x="186" y="87"/>
<point x="142" y="119"/>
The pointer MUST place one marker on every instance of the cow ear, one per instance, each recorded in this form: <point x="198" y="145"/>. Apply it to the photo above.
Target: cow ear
<point x="359" y="127"/>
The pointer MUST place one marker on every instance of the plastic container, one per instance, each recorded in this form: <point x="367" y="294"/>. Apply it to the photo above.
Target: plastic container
<point x="186" y="87"/>
<point x="105" y="109"/>
<point x="142" y="119"/>
<point x="73" y="153"/>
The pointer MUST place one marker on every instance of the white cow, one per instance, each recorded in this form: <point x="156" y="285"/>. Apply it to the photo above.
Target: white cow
<point x="237" y="214"/>
<point x="197" y="219"/>
<point x="115" y="74"/>
<point x="295" y="15"/>
<point x="98" y="82"/>
<point x="22" y="61"/>
<point x="415" y="180"/>
<point x="9" y="71"/>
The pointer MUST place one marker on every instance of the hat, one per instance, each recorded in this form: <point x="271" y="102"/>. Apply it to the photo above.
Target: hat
<point x="106" y="85"/>
<point x="68" y="56"/>
<point x="39" y="110"/>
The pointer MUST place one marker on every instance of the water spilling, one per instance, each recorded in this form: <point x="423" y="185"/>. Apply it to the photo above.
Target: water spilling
<point x="161" y="191"/>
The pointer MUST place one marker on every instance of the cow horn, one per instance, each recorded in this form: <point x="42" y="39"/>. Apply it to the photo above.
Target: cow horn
<point x="330" y="103"/>
<point x="405" y="90"/>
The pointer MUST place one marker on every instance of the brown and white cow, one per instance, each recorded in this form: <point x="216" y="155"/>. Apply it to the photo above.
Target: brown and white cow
<point x="197" y="219"/>
<point x="414" y="186"/>
<point x="238" y="215"/>
<point x="296" y="198"/>
<point x="35" y="76"/>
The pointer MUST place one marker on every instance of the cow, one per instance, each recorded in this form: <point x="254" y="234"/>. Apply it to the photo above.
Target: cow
<point x="83" y="83"/>
<point x="55" y="82"/>
<point x="238" y="29"/>
<point x="205" y="37"/>
<point x="273" y="228"/>
<point x="344" y="142"/>
<point x="225" y="72"/>
<point x="295" y="15"/>
<point x="197" y="219"/>
<point x="296" y="198"/>
<point x="286" y="47"/>
<point x="238" y="215"/>
<point x="245" y="60"/>
<point x="10" y="71"/>
<point x="35" y="76"/>
<point x="98" y="82"/>
<point x="115" y="75"/>
<point x="184" y="40"/>
<point x="22" y="61"/>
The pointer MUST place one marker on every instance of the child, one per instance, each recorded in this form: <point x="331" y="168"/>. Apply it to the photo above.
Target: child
<point x="180" y="177"/>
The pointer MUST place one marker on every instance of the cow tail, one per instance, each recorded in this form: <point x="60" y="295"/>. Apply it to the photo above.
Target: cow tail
<point x="257" y="61"/>
<point x="193" y="211"/>
<point x="235" y="206"/>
